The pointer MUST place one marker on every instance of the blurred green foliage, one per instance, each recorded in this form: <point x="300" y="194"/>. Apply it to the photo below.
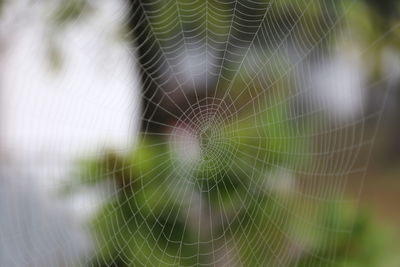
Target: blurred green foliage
<point x="165" y="214"/>
<point x="70" y="11"/>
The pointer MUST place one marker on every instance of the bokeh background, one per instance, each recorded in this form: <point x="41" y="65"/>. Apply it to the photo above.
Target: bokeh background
<point x="281" y="117"/>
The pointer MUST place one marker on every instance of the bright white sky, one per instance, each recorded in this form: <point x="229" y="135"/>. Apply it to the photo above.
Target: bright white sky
<point x="87" y="105"/>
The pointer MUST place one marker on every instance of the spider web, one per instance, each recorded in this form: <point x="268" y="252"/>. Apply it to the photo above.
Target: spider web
<point x="243" y="159"/>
